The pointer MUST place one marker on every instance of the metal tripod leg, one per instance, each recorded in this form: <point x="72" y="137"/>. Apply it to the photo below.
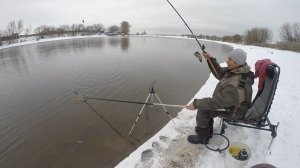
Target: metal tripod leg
<point x="164" y="107"/>
<point x="139" y="114"/>
<point x="152" y="98"/>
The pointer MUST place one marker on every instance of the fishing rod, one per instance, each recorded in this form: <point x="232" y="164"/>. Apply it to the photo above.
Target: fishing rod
<point x="135" y="102"/>
<point x="85" y="98"/>
<point x="151" y="94"/>
<point x="201" y="46"/>
<point x="197" y="54"/>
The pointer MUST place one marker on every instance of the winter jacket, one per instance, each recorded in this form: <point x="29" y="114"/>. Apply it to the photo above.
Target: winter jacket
<point x="233" y="92"/>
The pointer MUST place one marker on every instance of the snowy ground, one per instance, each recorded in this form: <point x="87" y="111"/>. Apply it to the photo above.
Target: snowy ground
<point x="169" y="148"/>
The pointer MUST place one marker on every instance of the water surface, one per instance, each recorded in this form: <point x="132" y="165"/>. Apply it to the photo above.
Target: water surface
<point x="42" y="126"/>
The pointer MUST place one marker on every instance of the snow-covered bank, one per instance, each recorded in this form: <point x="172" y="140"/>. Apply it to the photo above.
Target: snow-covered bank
<point x="169" y="148"/>
<point x="33" y="40"/>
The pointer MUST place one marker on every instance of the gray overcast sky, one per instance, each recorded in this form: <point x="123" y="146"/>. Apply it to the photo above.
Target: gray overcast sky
<point x="219" y="17"/>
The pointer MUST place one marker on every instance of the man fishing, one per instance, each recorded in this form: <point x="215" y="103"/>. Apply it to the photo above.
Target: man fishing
<point x="233" y="93"/>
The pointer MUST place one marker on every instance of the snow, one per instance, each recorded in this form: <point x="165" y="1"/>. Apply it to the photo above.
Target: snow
<point x="169" y="148"/>
<point x="34" y="40"/>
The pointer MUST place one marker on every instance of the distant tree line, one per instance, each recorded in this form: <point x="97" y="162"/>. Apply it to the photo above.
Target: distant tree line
<point x="15" y="30"/>
<point x="289" y="36"/>
<point x="143" y="33"/>
<point x="73" y="30"/>
<point x="261" y="36"/>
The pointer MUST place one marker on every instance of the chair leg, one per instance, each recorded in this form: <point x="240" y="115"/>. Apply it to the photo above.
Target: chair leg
<point x="223" y="127"/>
<point x="274" y="130"/>
<point x="274" y="133"/>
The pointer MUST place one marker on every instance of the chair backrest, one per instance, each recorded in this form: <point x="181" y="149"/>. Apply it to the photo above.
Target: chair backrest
<point x="258" y="112"/>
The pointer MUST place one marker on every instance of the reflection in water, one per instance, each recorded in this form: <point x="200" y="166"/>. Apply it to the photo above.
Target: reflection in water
<point x="11" y="60"/>
<point x="124" y="43"/>
<point x="69" y="46"/>
<point x="113" y="41"/>
<point x="40" y="126"/>
<point x="17" y="58"/>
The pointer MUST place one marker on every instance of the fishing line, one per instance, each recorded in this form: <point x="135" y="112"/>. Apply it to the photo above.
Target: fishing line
<point x="112" y="127"/>
<point x="197" y="54"/>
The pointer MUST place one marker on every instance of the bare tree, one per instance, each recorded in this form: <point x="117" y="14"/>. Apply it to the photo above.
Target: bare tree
<point x="20" y="27"/>
<point x="125" y="27"/>
<point x="95" y="28"/>
<point x="0" y="38"/>
<point x="296" y="31"/>
<point x="258" y="35"/>
<point x="290" y="32"/>
<point x="286" y="33"/>
<point x="28" y="30"/>
<point x="12" y="34"/>
<point x="76" y="28"/>
<point x="72" y="29"/>
<point x="113" y="29"/>
<point x="144" y="33"/>
<point x="44" y="30"/>
<point x="99" y="28"/>
<point x="237" y="38"/>
<point x="265" y="34"/>
<point x="80" y="27"/>
<point x="37" y="30"/>
<point x="63" y="29"/>
<point x="234" y="39"/>
<point x="227" y="38"/>
<point x="11" y="28"/>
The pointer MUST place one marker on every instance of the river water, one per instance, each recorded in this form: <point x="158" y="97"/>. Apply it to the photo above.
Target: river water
<point x="42" y="123"/>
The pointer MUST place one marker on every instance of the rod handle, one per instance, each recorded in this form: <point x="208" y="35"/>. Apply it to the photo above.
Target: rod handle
<point x="169" y="105"/>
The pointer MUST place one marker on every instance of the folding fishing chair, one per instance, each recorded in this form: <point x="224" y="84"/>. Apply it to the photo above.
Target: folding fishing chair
<point x="257" y="116"/>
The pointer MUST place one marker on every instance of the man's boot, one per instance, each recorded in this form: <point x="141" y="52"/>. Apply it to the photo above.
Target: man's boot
<point x="202" y="137"/>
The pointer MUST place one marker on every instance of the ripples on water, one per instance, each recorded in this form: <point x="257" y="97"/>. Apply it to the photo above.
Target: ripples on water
<point x="40" y="125"/>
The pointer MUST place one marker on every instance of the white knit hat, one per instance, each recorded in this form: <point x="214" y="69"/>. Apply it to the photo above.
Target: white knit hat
<point x="239" y="56"/>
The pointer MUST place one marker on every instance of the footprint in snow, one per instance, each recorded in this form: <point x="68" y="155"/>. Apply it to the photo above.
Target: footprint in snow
<point x="147" y="160"/>
<point x="147" y="155"/>
<point x="164" y="139"/>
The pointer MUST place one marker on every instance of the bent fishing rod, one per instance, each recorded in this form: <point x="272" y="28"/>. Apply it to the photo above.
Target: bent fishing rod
<point x="197" y="54"/>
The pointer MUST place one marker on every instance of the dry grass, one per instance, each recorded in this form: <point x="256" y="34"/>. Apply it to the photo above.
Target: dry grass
<point x="290" y="46"/>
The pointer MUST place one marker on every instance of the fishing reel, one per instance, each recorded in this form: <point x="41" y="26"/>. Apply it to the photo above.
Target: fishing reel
<point x="198" y="55"/>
